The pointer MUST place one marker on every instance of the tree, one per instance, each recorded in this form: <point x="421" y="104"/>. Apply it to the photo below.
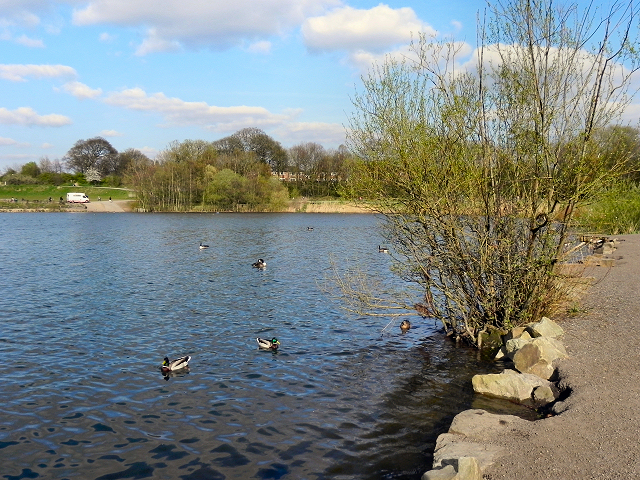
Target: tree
<point x="266" y="149"/>
<point x="478" y="173"/>
<point x="618" y="143"/>
<point x="92" y="175"/>
<point x="128" y="158"/>
<point x="30" y="169"/>
<point x="306" y="157"/>
<point x="95" y="152"/>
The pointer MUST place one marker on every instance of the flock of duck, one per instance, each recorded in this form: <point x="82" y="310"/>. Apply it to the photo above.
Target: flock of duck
<point x="182" y="363"/>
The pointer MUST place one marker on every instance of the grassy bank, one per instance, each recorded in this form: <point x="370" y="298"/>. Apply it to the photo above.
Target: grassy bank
<point x="42" y="193"/>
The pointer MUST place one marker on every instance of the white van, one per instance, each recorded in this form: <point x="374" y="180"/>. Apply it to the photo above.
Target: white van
<point x="77" y="198"/>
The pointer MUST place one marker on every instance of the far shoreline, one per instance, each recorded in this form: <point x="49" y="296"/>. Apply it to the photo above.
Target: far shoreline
<point x="127" y="206"/>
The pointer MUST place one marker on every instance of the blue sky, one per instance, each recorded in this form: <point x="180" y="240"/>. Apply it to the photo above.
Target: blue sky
<point x="143" y="74"/>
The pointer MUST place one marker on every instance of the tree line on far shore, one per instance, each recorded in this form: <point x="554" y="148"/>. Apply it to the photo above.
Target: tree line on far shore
<point x="246" y="171"/>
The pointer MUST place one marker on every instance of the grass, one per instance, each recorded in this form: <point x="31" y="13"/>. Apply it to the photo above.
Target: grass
<point x="42" y="193"/>
<point x="617" y="212"/>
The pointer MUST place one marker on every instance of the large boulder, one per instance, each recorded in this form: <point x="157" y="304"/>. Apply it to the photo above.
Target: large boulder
<point x="448" y="472"/>
<point x="516" y="387"/>
<point x="545" y="328"/>
<point x="466" y="450"/>
<point x="537" y="357"/>
<point x="515" y="339"/>
<point x="515" y="344"/>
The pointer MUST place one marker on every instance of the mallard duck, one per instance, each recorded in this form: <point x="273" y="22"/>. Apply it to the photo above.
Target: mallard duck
<point x="405" y="326"/>
<point x="172" y="366"/>
<point x="268" y="344"/>
<point x="202" y="247"/>
<point x="383" y="249"/>
<point x="259" y="264"/>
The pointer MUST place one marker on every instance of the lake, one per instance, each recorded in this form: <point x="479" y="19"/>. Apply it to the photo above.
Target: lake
<point x="91" y="303"/>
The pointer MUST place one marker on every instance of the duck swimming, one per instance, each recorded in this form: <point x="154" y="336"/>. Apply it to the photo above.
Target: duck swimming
<point x="268" y="344"/>
<point x="179" y="364"/>
<point x="383" y="249"/>
<point x="405" y="326"/>
<point x="259" y="264"/>
<point x="202" y="247"/>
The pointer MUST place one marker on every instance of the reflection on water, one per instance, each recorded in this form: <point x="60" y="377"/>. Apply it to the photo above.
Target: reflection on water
<point x="91" y="304"/>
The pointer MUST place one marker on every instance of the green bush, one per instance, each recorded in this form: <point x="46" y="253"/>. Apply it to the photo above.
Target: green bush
<point x="18" y="179"/>
<point x="617" y="211"/>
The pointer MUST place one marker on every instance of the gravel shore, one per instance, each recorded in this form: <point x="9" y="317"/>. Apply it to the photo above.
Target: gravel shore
<point x="596" y="433"/>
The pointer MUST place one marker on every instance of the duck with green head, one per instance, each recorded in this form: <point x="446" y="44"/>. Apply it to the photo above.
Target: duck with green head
<point x="174" y="365"/>
<point x="272" y="344"/>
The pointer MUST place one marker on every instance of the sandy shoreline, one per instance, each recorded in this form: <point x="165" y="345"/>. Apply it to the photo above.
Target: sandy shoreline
<point x="124" y="206"/>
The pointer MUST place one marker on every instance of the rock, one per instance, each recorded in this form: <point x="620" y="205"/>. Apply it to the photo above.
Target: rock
<point x="537" y="357"/>
<point x="545" y="328"/>
<point x="545" y="394"/>
<point x="599" y="261"/>
<point x="450" y="447"/>
<point x="502" y="352"/>
<point x="466" y="450"/>
<point x="515" y="332"/>
<point x="480" y="425"/>
<point x="515" y="344"/>
<point x="468" y="469"/>
<point x="444" y="473"/>
<point x="516" y="387"/>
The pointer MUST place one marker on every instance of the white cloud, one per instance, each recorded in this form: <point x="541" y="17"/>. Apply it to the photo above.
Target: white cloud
<point x="19" y="13"/>
<point x="18" y="73"/>
<point x="261" y="47"/>
<point x="106" y="37"/>
<point x="202" y="23"/>
<point x="81" y="91"/>
<point x="457" y="26"/>
<point x="29" y="42"/>
<point x="149" y="151"/>
<point x="47" y="145"/>
<point x="28" y="116"/>
<point x="322" y="133"/>
<point x="376" y="29"/>
<point x="110" y="133"/>
<point x="7" y="141"/>
<point x="154" y="43"/>
<point x="179" y="112"/>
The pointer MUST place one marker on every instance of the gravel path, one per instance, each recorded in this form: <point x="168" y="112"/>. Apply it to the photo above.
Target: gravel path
<point x="596" y="434"/>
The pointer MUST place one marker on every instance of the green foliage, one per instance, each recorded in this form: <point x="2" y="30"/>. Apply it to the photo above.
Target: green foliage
<point x="229" y="191"/>
<point x="19" y="179"/>
<point x="478" y="174"/>
<point x="52" y="178"/>
<point x="616" y="211"/>
<point x="30" y="169"/>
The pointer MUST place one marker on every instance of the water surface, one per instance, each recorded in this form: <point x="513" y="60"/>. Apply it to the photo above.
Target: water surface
<point x="91" y="303"/>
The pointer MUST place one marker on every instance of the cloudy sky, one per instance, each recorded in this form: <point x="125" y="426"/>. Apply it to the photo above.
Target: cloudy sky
<point x="144" y="73"/>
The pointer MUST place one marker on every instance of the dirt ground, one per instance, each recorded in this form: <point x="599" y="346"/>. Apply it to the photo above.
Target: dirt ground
<point x="109" y="206"/>
<point x="596" y="432"/>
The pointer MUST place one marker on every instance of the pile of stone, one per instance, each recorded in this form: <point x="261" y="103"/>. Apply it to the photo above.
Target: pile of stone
<point x="465" y="451"/>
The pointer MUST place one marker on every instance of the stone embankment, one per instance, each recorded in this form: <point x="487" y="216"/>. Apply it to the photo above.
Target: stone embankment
<point x="549" y="370"/>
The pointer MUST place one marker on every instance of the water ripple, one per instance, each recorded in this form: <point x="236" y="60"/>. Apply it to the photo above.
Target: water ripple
<point x="88" y="323"/>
